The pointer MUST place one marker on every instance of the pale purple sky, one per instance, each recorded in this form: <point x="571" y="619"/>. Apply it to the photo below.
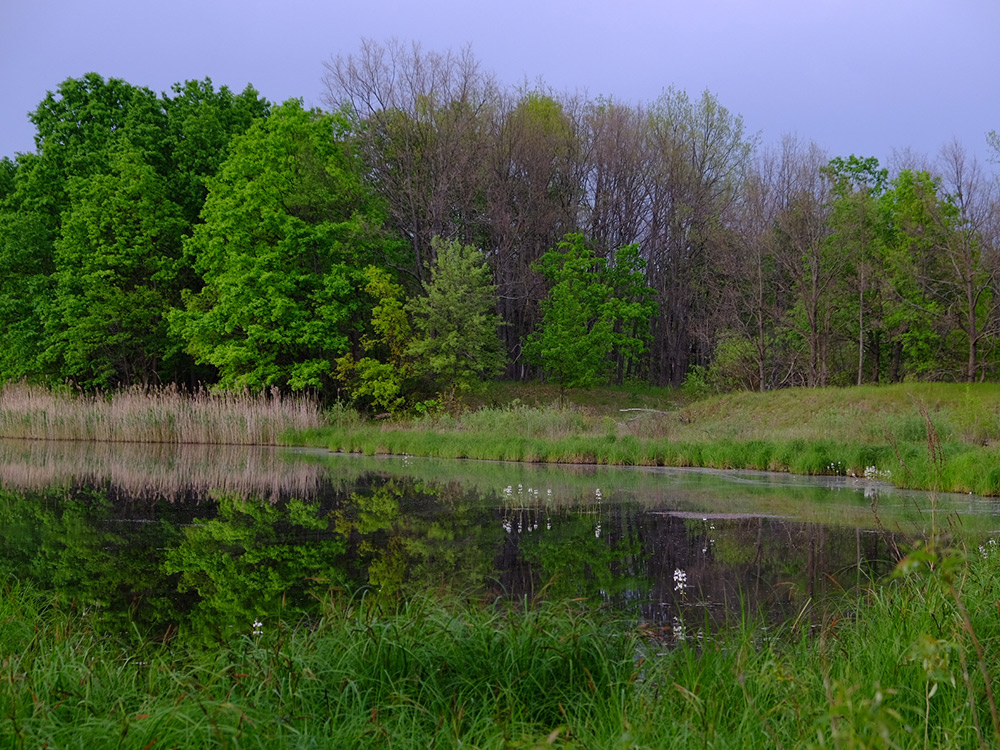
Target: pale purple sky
<point x="856" y="76"/>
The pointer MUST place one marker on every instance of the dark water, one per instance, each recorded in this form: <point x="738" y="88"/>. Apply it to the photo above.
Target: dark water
<point x="209" y="541"/>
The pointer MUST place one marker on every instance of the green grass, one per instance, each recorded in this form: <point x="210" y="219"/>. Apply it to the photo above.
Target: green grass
<point x="919" y="436"/>
<point x="910" y="663"/>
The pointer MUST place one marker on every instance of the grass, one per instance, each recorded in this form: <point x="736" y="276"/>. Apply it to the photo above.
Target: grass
<point x="879" y="432"/>
<point x="909" y="664"/>
<point x="164" y="415"/>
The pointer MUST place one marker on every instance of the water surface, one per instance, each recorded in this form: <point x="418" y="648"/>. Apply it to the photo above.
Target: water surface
<point x="206" y="541"/>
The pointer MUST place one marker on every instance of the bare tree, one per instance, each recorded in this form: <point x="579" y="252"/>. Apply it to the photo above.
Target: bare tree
<point x="698" y="155"/>
<point x="971" y="258"/>
<point x="533" y="192"/>
<point x="423" y="122"/>
<point x="813" y="266"/>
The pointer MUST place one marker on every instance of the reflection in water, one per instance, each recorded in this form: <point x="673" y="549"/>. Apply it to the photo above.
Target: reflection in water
<point x="170" y="540"/>
<point x="155" y="470"/>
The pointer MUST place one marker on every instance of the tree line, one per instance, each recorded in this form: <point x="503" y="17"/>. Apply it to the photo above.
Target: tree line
<point x="432" y="228"/>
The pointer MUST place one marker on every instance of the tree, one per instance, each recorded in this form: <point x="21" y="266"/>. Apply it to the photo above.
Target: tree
<point x="577" y="335"/>
<point x="383" y="377"/>
<point x="699" y="152"/>
<point x="419" y="119"/>
<point x="26" y="265"/>
<point x="455" y="321"/>
<point x="533" y="193"/>
<point x="857" y="184"/>
<point x="201" y="123"/>
<point x="971" y="252"/>
<point x="632" y="306"/>
<point x="750" y="284"/>
<point x="288" y="228"/>
<point x="813" y="265"/>
<point x="117" y="263"/>
<point x="915" y="242"/>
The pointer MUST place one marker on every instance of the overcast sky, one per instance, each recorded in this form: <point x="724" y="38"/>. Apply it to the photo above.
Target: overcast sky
<point x="856" y="76"/>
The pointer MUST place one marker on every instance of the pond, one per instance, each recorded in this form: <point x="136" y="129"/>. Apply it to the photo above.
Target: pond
<point x="208" y="541"/>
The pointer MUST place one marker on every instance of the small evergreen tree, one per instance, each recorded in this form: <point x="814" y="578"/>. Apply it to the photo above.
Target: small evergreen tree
<point x="455" y="323"/>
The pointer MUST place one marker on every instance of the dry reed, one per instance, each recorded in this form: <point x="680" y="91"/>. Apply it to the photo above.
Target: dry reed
<point x="165" y="415"/>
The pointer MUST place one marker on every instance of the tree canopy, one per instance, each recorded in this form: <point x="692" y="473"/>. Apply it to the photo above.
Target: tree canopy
<point x="435" y="229"/>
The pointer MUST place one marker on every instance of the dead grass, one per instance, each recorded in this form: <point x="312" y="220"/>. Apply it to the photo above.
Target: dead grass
<point x="164" y="415"/>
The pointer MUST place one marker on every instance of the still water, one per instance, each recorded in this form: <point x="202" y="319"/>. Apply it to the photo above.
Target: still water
<point x="206" y="541"/>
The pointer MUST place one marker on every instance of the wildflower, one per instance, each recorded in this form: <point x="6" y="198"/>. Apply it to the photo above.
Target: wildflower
<point x="680" y="580"/>
<point x="678" y="629"/>
<point x="258" y="627"/>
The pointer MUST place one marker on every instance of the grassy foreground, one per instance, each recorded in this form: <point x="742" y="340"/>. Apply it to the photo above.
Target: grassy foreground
<point x="932" y="436"/>
<point x="908" y="664"/>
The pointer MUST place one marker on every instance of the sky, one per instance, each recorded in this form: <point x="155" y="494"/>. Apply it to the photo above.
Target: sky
<point x="867" y="77"/>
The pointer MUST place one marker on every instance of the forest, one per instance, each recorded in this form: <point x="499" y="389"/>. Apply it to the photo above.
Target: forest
<point x="432" y="229"/>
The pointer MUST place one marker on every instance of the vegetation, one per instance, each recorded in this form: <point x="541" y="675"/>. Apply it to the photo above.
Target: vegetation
<point x="917" y="669"/>
<point x="153" y="416"/>
<point x="922" y="436"/>
<point x="204" y="237"/>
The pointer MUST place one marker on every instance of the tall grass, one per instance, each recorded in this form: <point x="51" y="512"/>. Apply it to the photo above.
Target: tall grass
<point x="908" y="664"/>
<point x="164" y="415"/>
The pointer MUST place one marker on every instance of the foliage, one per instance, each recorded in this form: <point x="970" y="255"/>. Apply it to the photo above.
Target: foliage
<point x="287" y="228"/>
<point x="90" y="227"/>
<point x="383" y="377"/>
<point x="118" y="264"/>
<point x="455" y="322"/>
<point x="588" y="314"/>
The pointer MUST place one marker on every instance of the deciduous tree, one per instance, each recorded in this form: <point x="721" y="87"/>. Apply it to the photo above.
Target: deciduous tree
<point x="288" y="228"/>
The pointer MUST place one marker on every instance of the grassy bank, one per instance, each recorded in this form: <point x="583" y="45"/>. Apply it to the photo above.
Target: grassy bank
<point x="909" y="664"/>
<point x="921" y="436"/>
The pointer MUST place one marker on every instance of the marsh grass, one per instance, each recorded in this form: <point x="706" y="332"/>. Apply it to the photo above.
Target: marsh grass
<point x="904" y="664"/>
<point x="164" y="415"/>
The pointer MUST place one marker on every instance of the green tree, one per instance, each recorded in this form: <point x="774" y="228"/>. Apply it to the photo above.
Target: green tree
<point x="633" y="306"/>
<point x="855" y="220"/>
<point x="383" y="376"/>
<point x="455" y="321"/>
<point x="288" y="226"/>
<point x="117" y="262"/>
<point x="90" y="227"/>
<point x="915" y="242"/>
<point x="201" y="124"/>
<point x="584" y="320"/>
<point x="27" y="262"/>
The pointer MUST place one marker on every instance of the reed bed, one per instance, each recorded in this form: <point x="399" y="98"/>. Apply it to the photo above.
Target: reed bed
<point x="144" y="415"/>
<point x="912" y="663"/>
